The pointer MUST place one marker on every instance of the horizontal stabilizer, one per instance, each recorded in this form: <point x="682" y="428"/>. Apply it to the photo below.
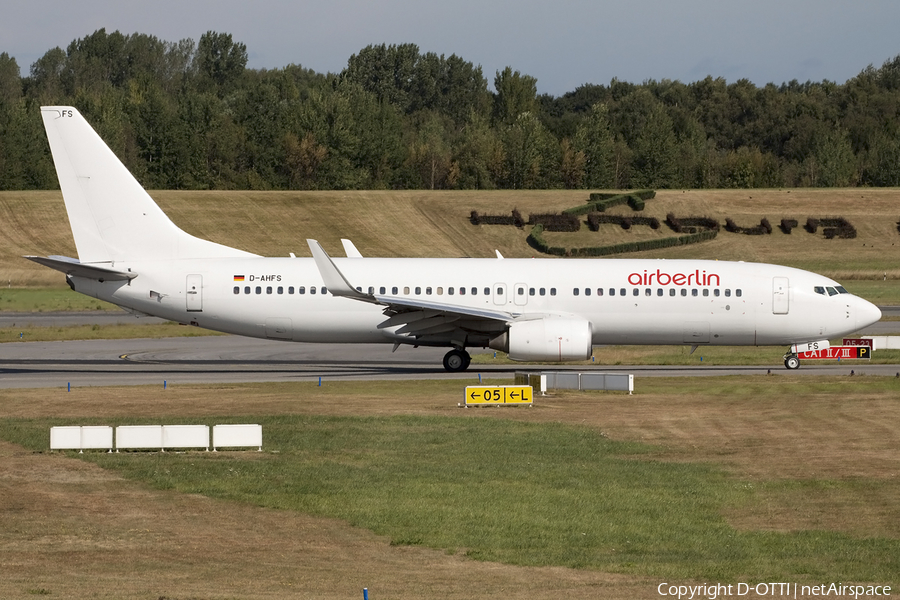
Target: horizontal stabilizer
<point x="72" y="266"/>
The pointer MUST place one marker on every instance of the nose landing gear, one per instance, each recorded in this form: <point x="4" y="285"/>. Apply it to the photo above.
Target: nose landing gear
<point x="457" y="360"/>
<point x="791" y="361"/>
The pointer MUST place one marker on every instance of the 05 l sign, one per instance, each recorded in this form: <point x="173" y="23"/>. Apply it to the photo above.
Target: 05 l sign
<point x="499" y="394"/>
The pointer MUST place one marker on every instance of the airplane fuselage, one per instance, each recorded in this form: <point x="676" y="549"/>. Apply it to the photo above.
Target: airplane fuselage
<point x="626" y="301"/>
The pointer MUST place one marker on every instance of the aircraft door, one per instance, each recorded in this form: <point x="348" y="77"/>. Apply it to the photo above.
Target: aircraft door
<point x="520" y="294"/>
<point x="500" y="294"/>
<point x="194" y="293"/>
<point x="780" y="295"/>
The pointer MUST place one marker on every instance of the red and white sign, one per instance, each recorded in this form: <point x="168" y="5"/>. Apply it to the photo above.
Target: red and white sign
<point x="838" y="353"/>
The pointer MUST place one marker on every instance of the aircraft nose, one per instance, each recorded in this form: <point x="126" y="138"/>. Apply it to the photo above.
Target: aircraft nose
<point x="866" y="313"/>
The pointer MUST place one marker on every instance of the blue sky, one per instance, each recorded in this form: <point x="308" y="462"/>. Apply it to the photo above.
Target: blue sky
<point x="563" y="44"/>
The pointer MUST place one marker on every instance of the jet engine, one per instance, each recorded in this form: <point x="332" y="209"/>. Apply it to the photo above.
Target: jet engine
<point x="553" y="339"/>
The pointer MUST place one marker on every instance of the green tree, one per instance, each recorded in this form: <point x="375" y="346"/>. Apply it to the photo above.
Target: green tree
<point x="388" y="72"/>
<point x="654" y="151"/>
<point x="532" y="155"/>
<point x="430" y="157"/>
<point x="594" y="139"/>
<point x="221" y="60"/>
<point x="516" y="95"/>
<point x="479" y="154"/>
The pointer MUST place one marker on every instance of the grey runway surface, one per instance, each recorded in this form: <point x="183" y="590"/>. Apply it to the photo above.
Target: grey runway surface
<point x="234" y="359"/>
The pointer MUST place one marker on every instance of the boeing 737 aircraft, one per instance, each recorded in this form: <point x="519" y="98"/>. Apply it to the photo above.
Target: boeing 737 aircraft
<point x="131" y="254"/>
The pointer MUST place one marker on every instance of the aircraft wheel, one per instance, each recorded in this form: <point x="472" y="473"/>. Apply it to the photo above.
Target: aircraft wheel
<point x="792" y="362"/>
<point x="457" y="360"/>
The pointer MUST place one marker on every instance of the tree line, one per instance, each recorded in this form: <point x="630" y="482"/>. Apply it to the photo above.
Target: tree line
<point x="186" y="115"/>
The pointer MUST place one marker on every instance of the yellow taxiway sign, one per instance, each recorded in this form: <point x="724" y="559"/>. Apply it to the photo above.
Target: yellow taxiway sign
<point x="499" y="394"/>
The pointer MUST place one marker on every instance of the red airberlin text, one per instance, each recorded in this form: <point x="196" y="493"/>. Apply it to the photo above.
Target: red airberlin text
<point x="658" y="277"/>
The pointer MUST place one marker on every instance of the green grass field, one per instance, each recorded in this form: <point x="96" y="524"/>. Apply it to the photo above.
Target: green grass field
<point x="551" y="493"/>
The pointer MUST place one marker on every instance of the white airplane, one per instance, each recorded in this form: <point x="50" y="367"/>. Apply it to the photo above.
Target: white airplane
<point x="132" y="255"/>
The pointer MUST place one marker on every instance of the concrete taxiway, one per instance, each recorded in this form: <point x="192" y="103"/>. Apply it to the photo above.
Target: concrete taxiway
<point x="231" y="359"/>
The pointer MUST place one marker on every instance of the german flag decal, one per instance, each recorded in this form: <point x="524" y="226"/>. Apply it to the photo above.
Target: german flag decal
<point x="238" y="277"/>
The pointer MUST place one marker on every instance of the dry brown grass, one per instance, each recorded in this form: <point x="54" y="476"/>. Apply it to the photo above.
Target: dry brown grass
<point x="69" y="528"/>
<point x="421" y="223"/>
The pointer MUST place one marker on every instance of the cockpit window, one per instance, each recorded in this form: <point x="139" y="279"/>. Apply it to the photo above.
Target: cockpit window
<point x="832" y="291"/>
<point x="819" y="290"/>
<point x="841" y="289"/>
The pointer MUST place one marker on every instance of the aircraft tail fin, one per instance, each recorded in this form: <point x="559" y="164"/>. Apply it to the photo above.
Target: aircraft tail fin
<point x="112" y="217"/>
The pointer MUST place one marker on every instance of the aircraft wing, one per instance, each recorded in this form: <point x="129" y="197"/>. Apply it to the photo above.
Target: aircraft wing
<point x="74" y="267"/>
<point x="415" y="317"/>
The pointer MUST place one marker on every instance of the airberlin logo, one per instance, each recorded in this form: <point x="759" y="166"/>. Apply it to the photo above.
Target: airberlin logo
<point x="658" y="277"/>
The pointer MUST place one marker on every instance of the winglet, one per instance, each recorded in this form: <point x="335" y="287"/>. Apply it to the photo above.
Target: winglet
<point x="350" y="250"/>
<point x="334" y="280"/>
<point x="500" y="256"/>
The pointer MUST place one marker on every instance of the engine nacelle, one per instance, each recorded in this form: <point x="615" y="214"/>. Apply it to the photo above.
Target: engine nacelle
<point x="553" y="339"/>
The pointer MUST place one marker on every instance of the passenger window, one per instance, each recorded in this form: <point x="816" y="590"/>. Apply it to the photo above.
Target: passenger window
<point x="371" y="290"/>
<point x="635" y="292"/>
<point x="671" y="291"/>
<point x="621" y="291"/>
<point x="268" y="289"/>
<point x="324" y="290"/>
<point x="237" y="289"/>
<point x="659" y="291"/>
<point x="587" y="291"/>
<point x="312" y="289"/>
<point x="819" y="290"/>
<point x="706" y="291"/>
<point x="280" y="290"/>
<point x="394" y="290"/>
<point x="728" y="293"/>
<point x="258" y="290"/>
<point x="543" y="291"/>
<point x="487" y="291"/>
<point x="575" y="292"/>
<point x="290" y="289"/>
<point x="684" y="292"/>
<point x="599" y="291"/>
<point x="531" y="291"/>
<point x="648" y="292"/>
<point x="474" y="291"/>
<point x="694" y="292"/>
<point x="418" y="291"/>
<point x="247" y="290"/>
<point x="301" y="290"/>
<point x="406" y="291"/>
<point x="440" y="291"/>
<point x="612" y="291"/>
<point x="552" y="291"/>
<point x="462" y="291"/>
<point x="428" y="291"/>
<point x="716" y="292"/>
<point x="450" y="291"/>
<point x="737" y="292"/>
<point x="382" y="290"/>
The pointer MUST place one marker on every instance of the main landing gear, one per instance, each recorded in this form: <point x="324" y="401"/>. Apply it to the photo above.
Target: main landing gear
<point x="457" y="360"/>
<point x="791" y="361"/>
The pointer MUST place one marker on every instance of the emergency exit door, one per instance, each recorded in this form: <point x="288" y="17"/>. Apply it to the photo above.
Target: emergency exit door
<point x="194" y="293"/>
<point x="780" y="295"/>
